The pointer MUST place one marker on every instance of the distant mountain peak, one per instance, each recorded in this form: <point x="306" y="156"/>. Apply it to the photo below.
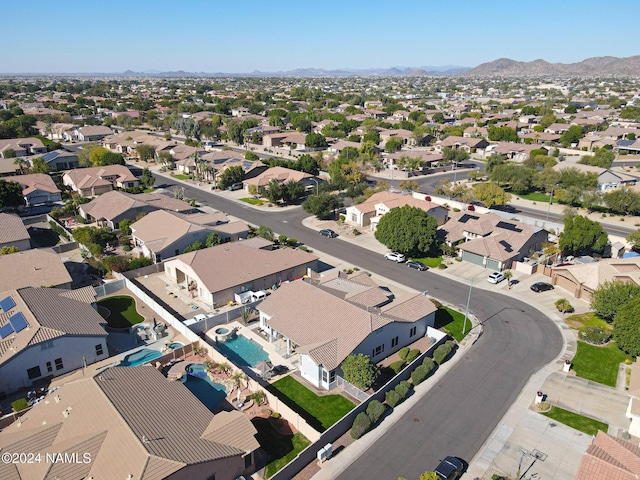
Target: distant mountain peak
<point x="595" y="66"/>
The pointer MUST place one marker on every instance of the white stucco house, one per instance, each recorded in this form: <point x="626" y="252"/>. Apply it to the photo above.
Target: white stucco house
<point x="323" y="321"/>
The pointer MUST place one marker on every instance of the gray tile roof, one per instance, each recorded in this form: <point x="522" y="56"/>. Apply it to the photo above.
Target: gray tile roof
<point x="12" y="229"/>
<point x="40" y="267"/>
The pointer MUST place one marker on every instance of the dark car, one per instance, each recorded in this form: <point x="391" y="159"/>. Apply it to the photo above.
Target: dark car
<point x="328" y="233"/>
<point x="450" y="468"/>
<point x="541" y="287"/>
<point x="417" y="265"/>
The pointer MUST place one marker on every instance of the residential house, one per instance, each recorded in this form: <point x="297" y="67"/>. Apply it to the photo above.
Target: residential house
<point x="13" y="233"/>
<point x="284" y="139"/>
<point x="59" y="160"/>
<point x="161" y="234"/>
<point x="93" y="181"/>
<point x="22" y="147"/>
<point x="474" y="131"/>
<point x="581" y="280"/>
<point x="40" y="267"/>
<point x="327" y="319"/>
<point x="375" y="207"/>
<point x="540" y="137"/>
<point x="469" y="145"/>
<point x="425" y="157"/>
<point x="214" y="275"/>
<point x="88" y="133"/>
<point x="608" y="458"/>
<point x="112" y="207"/>
<point x="618" y="133"/>
<point x="130" y="423"/>
<point x="557" y="128"/>
<point x="37" y="188"/>
<point x="9" y="168"/>
<point x="47" y="332"/>
<point x="516" y="152"/>
<point x="593" y="142"/>
<point x="405" y="135"/>
<point x="53" y="131"/>
<point x="631" y="147"/>
<point x="607" y="179"/>
<point x="282" y="175"/>
<point x="489" y="240"/>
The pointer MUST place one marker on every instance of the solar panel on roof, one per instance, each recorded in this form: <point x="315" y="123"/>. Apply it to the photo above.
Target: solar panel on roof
<point x="7" y="304"/>
<point x="6" y="330"/>
<point x="18" y="321"/>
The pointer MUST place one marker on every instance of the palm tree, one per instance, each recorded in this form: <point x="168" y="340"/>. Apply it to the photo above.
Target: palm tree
<point x="508" y="274"/>
<point x="22" y="163"/>
<point x="237" y="378"/>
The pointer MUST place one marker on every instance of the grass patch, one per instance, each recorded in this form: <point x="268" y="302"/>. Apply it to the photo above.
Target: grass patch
<point x="280" y="449"/>
<point x="583" y="424"/>
<point x="431" y="262"/>
<point x="181" y="176"/>
<point x="599" y="364"/>
<point x="537" y="197"/>
<point x="44" y="237"/>
<point x="123" y="311"/>
<point x="319" y="411"/>
<point x="253" y="201"/>
<point x="149" y="190"/>
<point x="452" y="321"/>
<point x="582" y="320"/>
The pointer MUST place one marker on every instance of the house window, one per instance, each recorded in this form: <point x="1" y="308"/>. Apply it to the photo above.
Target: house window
<point x="99" y="349"/>
<point x="59" y="365"/>
<point x="46" y="345"/>
<point x="378" y="350"/>
<point x="325" y="376"/>
<point x="49" y="367"/>
<point x="34" y="372"/>
<point x="413" y="331"/>
<point x="332" y="376"/>
<point x="248" y="461"/>
<point x="354" y="217"/>
<point x="394" y="342"/>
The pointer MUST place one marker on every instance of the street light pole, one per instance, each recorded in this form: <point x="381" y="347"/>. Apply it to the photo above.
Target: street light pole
<point x="317" y="185"/>
<point x="550" y="200"/>
<point x="466" y="313"/>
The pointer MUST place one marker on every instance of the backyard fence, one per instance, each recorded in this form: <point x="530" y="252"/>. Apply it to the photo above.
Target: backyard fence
<point x="352" y="390"/>
<point x="109" y="288"/>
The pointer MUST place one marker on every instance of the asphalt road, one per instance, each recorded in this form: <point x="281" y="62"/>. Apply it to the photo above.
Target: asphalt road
<point x="459" y="413"/>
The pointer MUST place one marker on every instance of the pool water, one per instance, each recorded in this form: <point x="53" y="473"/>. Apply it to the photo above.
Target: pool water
<point x="141" y="356"/>
<point x="208" y="392"/>
<point x="242" y="351"/>
<point x="174" y="345"/>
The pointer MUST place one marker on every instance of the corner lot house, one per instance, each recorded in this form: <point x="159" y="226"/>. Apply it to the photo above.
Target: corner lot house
<point x="214" y="275"/>
<point x="37" y="188"/>
<point x="13" y="233"/>
<point x="490" y="240"/>
<point x="89" y="182"/>
<point x="325" y="320"/>
<point x="134" y="424"/>
<point x="46" y="332"/>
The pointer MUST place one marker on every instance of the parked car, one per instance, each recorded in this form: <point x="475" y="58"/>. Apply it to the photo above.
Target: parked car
<point x="396" y="257"/>
<point x="417" y="265"/>
<point x="326" y="232"/>
<point x="235" y="186"/>
<point x="541" y="287"/>
<point x="495" y="277"/>
<point x="450" y="468"/>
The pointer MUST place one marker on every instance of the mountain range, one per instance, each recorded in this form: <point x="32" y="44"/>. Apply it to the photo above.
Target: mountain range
<point x="591" y="67"/>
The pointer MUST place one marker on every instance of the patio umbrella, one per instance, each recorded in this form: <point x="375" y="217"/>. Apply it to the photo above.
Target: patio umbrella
<point x="264" y="366"/>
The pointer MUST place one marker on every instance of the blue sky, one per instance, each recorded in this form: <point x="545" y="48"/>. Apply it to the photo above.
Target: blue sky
<point x="247" y="35"/>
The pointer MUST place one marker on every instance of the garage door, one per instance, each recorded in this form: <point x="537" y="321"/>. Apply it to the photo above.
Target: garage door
<point x="566" y="283"/>
<point x="493" y="264"/>
<point x="473" y="258"/>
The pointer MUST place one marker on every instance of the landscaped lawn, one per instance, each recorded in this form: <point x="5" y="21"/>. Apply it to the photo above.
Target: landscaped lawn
<point x="452" y="321"/>
<point x="280" y="449"/>
<point x="537" y="197"/>
<point x="253" y="201"/>
<point x="431" y="262"/>
<point x="599" y="364"/>
<point x="581" y="320"/>
<point x="181" y="176"/>
<point x="584" y="424"/>
<point x="319" y="411"/>
<point x="123" y="311"/>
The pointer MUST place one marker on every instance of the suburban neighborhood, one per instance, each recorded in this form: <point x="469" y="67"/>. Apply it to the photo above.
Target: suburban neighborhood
<point x="398" y="274"/>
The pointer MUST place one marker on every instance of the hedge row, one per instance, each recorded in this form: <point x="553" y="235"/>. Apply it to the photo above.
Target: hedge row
<point x="365" y="421"/>
<point x="441" y="354"/>
<point x="59" y="230"/>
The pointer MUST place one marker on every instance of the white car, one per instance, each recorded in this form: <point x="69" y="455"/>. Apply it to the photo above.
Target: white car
<point x="396" y="257"/>
<point x="495" y="277"/>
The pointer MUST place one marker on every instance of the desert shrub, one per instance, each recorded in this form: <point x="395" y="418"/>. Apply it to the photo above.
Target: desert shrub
<point x="392" y="398"/>
<point x="292" y="242"/>
<point x="375" y="410"/>
<point x="419" y="374"/>
<point x="282" y="239"/>
<point x="275" y="415"/>
<point x="395" y="367"/>
<point x="429" y="364"/>
<point x="403" y="352"/>
<point x="563" y="305"/>
<point x="412" y="355"/>
<point x="442" y="352"/>
<point x="595" y="335"/>
<point x="402" y="389"/>
<point x="361" y="425"/>
<point x="436" y="303"/>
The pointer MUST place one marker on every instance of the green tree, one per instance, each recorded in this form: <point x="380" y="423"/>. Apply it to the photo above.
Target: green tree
<point x="100" y="156"/>
<point x="610" y="296"/>
<point x="230" y="176"/>
<point x="493" y="161"/>
<point x="273" y="192"/>
<point x="601" y="158"/>
<point x="503" y="134"/>
<point x="315" y="140"/>
<point x="394" y="144"/>
<point x="235" y="132"/>
<point x="251" y="156"/>
<point x="572" y="135"/>
<point x="634" y="239"/>
<point x="429" y="476"/>
<point x="407" y="229"/>
<point x="10" y="194"/>
<point x="196" y="245"/>
<point x="308" y="164"/>
<point x="292" y="191"/>
<point x="438" y="117"/>
<point x="322" y="205"/>
<point x="266" y="233"/>
<point x="518" y="177"/>
<point x="213" y="239"/>
<point x="146" y="179"/>
<point x="360" y="370"/>
<point x="409" y="185"/>
<point x="490" y="194"/>
<point x="581" y="234"/>
<point x="571" y="109"/>
<point x="623" y="200"/>
<point x="145" y="152"/>
<point x="38" y="165"/>
<point x="165" y="158"/>
<point x="8" y="250"/>
<point x="9" y="153"/>
<point x="626" y="327"/>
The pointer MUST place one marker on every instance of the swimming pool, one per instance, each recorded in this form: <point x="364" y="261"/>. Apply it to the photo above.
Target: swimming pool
<point x="174" y="345"/>
<point x="208" y="392"/>
<point x="141" y="356"/>
<point x="242" y="351"/>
